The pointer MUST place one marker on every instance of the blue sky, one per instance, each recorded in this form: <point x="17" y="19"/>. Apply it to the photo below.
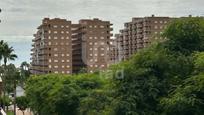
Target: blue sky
<point x="21" y="17"/>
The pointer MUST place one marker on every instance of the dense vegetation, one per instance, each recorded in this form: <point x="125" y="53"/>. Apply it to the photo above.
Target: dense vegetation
<point x="10" y="75"/>
<point x="165" y="79"/>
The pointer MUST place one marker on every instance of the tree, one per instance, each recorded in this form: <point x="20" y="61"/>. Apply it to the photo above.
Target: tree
<point x="5" y="100"/>
<point x="187" y="98"/>
<point x="1" y="50"/>
<point x="8" y="53"/>
<point x="62" y="94"/>
<point x="22" y="103"/>
<point x="154" y="72"/>
<point x="24" y="73"/>
<point x="185" y="35"/>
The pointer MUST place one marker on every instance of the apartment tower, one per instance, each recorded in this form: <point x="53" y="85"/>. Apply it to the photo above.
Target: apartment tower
<point x="138" y="34"/>
<point x="96" y="37"/>
<point x="52" y="47"/>
<point x="62" y="47"/>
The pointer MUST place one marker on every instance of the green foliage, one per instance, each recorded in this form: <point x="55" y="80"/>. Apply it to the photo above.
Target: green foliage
<point x="5" y="100"/>
<point x="24" y="73"/>
<point x="60" y="94"/>
<point x="187" y="99"/>
<point x="22" y="103"/>
<point x="164" y="79"/>
<point x="151" y="74"/>
<point x="185" y="35"/>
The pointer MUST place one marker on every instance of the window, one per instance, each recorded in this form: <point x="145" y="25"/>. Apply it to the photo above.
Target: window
<point x="62" y="37"/>
<point x="55" y="55"/>
<point x="161" y="27"/>
<point x="67" y="26"/>
<point x="96" y="65"/>
<point x="102" y="37"/>
<point x="102" y="48"/>
<point x="68" y="66"/>
<point x="102" y="65"/>
<point x="62" y="60"/>
<point x="95" y="26"/>
<point x="95" y="54"/>
<point x="102" y="54"/>
<point x="91" y="60"/>
<point x="91" y="71"/>
<point x="62" y="71"/>
<point x="91" y="54"/>
<point x="95" y="60"/>
<point x="62" y="26"/>
<point x="62" y="66"/>
<point x="68" y="71"/>
<point x="68" y="61"/>
<point x="155" y="27"/>
<point x="90" y="48"/>
<point x="62" y="43"/>
<point x="55" y="26"/>
<point x="49" y="31"/>
<point x="95" y="43"/>
<point x="90" y="37"/>
<point x="102" y="43"/>
<point x="67" y="32"/>
<point x="55" y="37"/>
<point x="56" y="71"/>
<point x="55" y="61"/>
<point x="67" y="43"/>
<point x="67" y="37"/>
<point x="91" y="65"/>
<point x="62" y="32"/>
<point x="90" y="43"/>
<point x="62" y="55"/>
<point x="155" y="22"/>
<point x="90" y="26"/>
<point x="49" y="43"/>
<point x="161" y="22"/>
<point x="49" y="37"/>
<point x="55" y="49"/>
<point x="95" y="48"/>
<point x="165" y="21"/>
<point x="101" y="26"/>
<point x="67" y="54"/>
<point x="95" y="37"/>
<point x="155" y="32"/>
<point x="50" y="60"/>
<point x="55" y="32"/>
<point x="56" y="66"/>
<point x="50" y="66"/>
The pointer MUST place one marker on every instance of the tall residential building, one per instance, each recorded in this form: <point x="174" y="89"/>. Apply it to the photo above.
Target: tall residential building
<point x="138" y="34"/>
<point x="52" y="47"/>
<point x="95" y="35"/>
<point x="62" y="47"/>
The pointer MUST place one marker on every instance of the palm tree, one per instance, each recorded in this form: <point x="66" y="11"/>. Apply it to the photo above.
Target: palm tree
<point x="1" y="50"/>
<point x="24" y="72"/>
<point x="7" y="53"/>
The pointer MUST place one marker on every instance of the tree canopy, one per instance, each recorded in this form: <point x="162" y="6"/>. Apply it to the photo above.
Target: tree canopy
<point x="166" y="78"/>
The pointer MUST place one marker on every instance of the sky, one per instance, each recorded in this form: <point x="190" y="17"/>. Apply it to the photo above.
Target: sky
<point x="20" y="18"/>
